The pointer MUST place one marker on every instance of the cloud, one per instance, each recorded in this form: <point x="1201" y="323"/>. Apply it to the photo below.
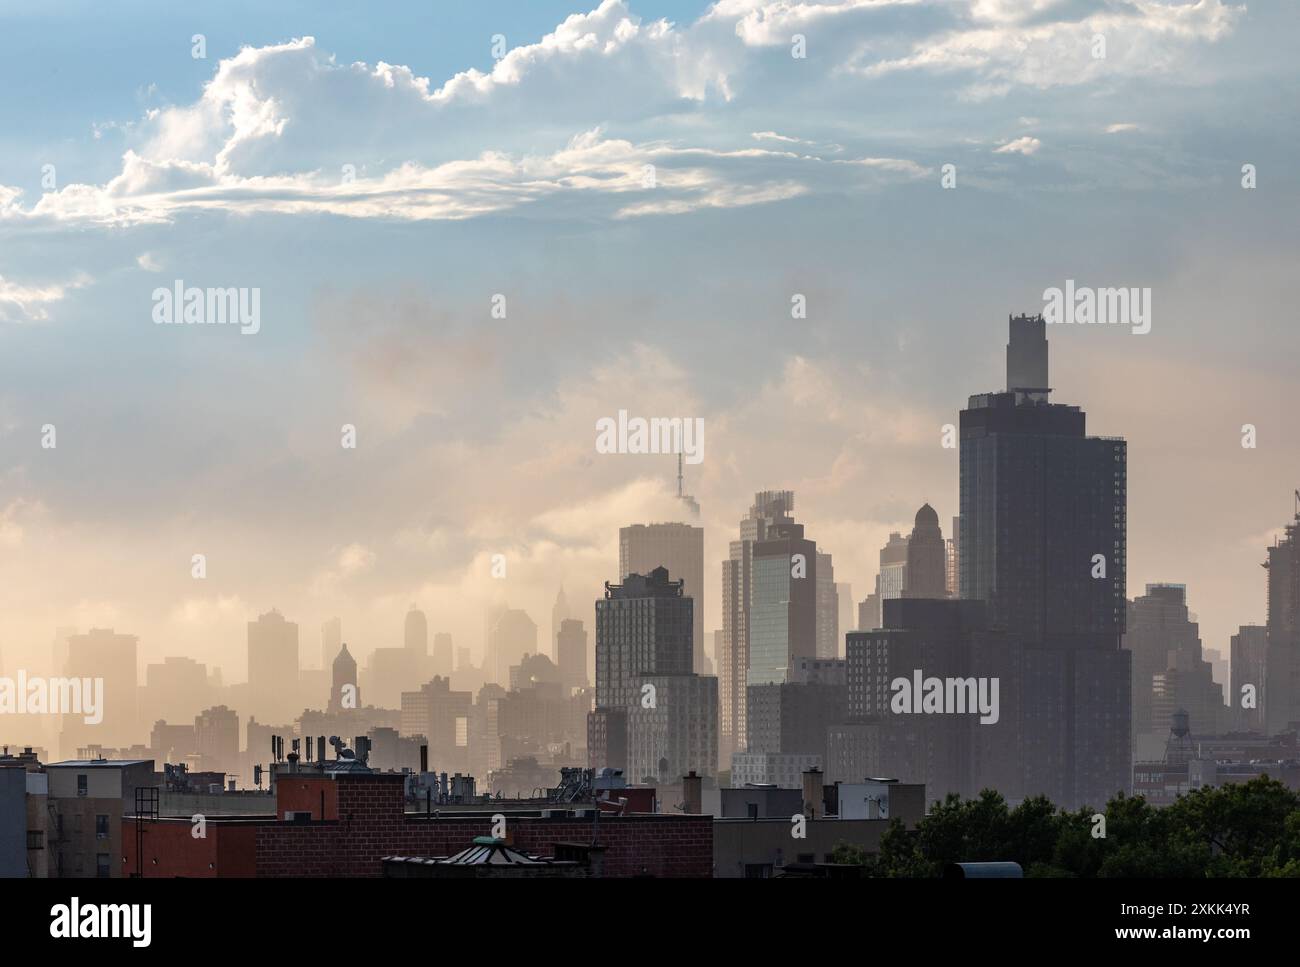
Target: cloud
<point x="287" y="129"/>
<point x="1121" y="128"/>
<point x="30" y="302"/>
<point x="1007" y="43"/>
<point x="1025" y="146"/>
<point x="147" y="262"/>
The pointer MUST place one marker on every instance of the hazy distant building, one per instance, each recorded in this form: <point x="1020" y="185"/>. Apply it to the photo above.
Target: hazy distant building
<point x="1043" y="518"/>
<point x="927" y="557"/>
<point x="1282" y="667"/>
<point x="273" y="667"/>
<point x="571" y="648"/>
<point x="828" y="608"/>
<point x="331" y="640"/>
<point x="390" y="670"/>
<point x="415" y="633"/>
<point x="733" y="647"/>
<point x="848" y="616"/>
<point x="104" y="654"/>
<point x="678" y="547"/>
<point x="442" y="716"/>
<point x="559" y="614"/>
<point x="1249" y="654"/>
<point x="174" y="688"/>
<point x="513" y="635"/>
<point x="442" y="654"/>
<point x="1169" y="671"/>
<point x="216" y="735"/>
<point x="869" y="612"/>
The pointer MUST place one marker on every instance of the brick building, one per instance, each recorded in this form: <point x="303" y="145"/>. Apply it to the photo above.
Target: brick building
<point x="343" y="825"/>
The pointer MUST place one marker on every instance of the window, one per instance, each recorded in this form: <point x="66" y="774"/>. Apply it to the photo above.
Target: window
<point x="82" y="786"/>
<point x="102" y="870"/>
<point x="101" y="827"/>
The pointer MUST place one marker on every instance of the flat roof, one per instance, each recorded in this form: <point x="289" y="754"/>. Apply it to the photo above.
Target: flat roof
<point x="98" y="763"/>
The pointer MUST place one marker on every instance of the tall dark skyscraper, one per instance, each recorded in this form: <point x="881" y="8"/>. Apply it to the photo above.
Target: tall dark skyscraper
<point x="1043" y="543"/>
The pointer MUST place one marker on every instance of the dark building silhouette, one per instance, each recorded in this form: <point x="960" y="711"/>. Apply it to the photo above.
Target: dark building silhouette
<point x="644" y="627"/>
<point x="927" y="557"/>
<point x="1282" y="667"/>
<point x="1249" y="653"/>
<point x="344" y="671"/>
<point x="1043" y="543"/>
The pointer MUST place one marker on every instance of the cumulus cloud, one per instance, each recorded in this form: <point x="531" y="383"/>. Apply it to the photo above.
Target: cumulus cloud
<point x="287" y="129"/>
<point x="1026" y="146"/>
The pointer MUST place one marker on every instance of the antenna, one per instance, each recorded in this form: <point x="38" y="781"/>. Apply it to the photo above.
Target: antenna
<point x="1297" y="504"/>
<point x="679" y="477"/>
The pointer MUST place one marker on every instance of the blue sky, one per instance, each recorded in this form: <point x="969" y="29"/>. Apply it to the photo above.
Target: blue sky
<point x="775" y="176"/>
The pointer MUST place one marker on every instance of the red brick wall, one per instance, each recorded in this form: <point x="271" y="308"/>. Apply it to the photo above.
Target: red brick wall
<point x="372" y="824"/>
<point x="226" y="850"/>
<point x="303" y="794"/>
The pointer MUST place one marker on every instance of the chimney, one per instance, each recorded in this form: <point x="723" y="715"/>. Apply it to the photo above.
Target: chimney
<point x="812" y="793"/>
<point x="310" y="742"/>
<point x="424" y="758"/>
<point x="692" y="794"/>
<point x="320" y="747"/>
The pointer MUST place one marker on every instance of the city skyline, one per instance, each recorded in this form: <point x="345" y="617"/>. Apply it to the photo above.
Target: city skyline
<point x="200" y="457"/>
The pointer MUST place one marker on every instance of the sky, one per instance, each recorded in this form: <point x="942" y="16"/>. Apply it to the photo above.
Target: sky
<point x="645" y="187"/>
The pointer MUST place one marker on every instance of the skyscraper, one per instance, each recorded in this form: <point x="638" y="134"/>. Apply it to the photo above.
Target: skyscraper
<point x="828" y="608"/>
<point x="104" y="654"/>
<point x="1043" y="543"/>
<point x="571" y="645"/>
<point x="559" y="614"/>
<point x="273" y="668"/>
<point x="733" y="653"/>
<point x="416" y="632"/>
<point x="679" y="548"/>
<point x="513" y="635"/>
<point x="331" y="640"/>
<point x="1169" y="670"/>
<point x="891" y="582"/>
<point x="643" y="628"/>
<point x="783" y="602"/>
<point x="1249" y="654"/>
<point x="927" y="557"/>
